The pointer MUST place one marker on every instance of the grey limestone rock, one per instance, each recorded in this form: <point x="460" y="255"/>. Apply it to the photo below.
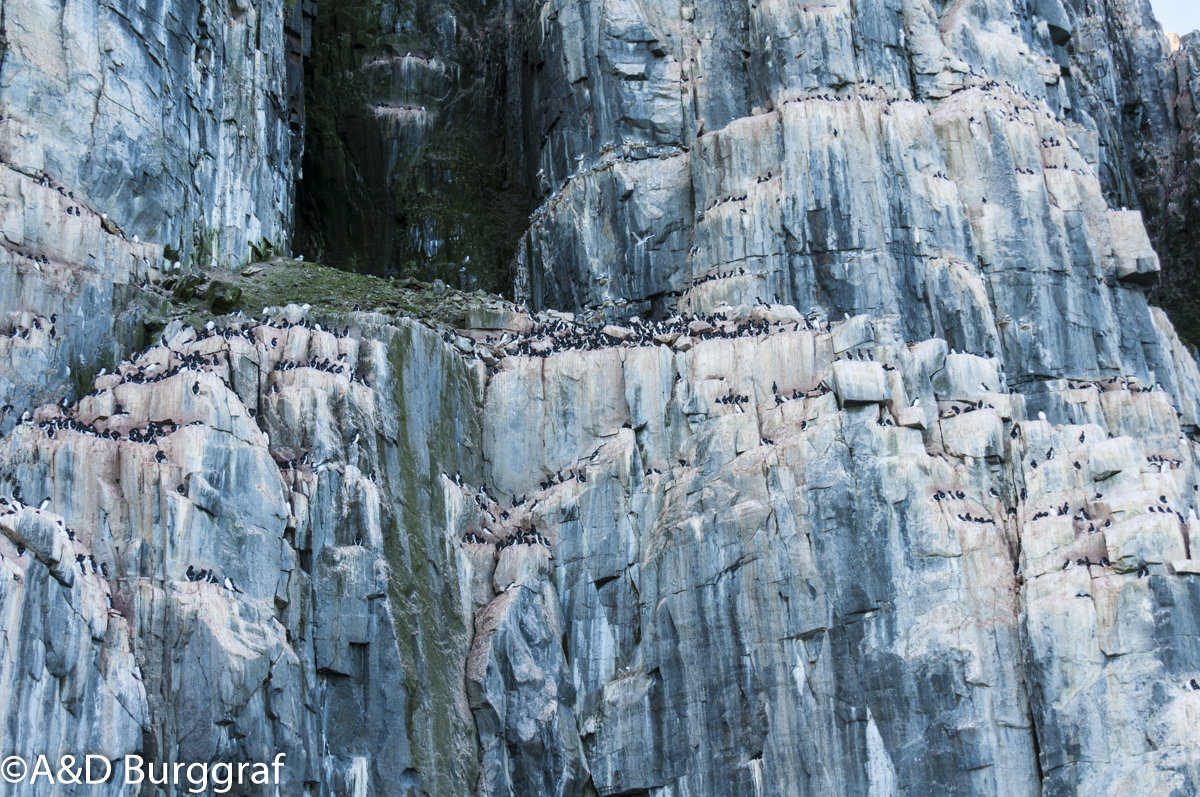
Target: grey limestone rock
<point x="182" y="121"/>
<point x="69" y="293"/>
<point x="839" y="451"/>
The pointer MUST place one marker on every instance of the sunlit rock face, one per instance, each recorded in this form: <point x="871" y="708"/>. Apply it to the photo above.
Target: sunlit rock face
<point x="873" y="568"/>
<point x="889" y="489"/>
<point x="182" y="121"/>
<point x="940" y="164"/>
<point x="189" y="461"/>
<point x="69" y="291"/>
<point x="758" y="553"/>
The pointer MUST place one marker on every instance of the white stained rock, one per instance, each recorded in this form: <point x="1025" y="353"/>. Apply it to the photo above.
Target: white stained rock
<point x="859" y="383"/>
<point x="1136" y="260"/>
<point x="967" y="377"/>
<point x="974" y="434"/>
<point x="1109" y="457"/>
<point x="857" y="331"/>
<point x="731" y="561"/>
<point x="1151" y="538"/>
<point x="911" y="417"/>
<point x="619" y="333"/>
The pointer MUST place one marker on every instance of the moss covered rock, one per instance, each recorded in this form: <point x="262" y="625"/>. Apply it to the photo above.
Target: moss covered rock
<point x="184" y="289"/>
<point x="222" y="297"/>
<point x="408" y="166"/>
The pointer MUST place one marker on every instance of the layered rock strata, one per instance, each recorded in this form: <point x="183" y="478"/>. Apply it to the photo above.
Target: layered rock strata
<point x="182" y="121"/>
<point x="339" y="638"/>
<point x="69" y="292"/>
<point x="724" y="555"/>
<point x="896" y="493"/>
<point x="833" y="155"/>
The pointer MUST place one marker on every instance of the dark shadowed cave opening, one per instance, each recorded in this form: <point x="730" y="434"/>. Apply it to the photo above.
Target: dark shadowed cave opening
<point x="410" y="168"/>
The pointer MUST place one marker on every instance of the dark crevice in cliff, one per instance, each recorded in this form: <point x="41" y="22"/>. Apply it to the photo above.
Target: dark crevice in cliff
<point x="1037" y="752"/>
<point x="1147" y="138"/>
<point x="1172" y="200"/>
<point x="703" y="612"/>
<point x="3" y="36"/>
<point x="409" y="167"/>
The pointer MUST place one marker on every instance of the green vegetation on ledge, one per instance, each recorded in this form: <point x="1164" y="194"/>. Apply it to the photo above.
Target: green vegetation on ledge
<point x="330" y="291"/>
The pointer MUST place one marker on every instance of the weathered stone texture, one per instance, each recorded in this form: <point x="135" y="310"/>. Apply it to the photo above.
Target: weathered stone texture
<point x="629" y="580"/>
<point x="890" y="490"/>
<point x="344" y="641"/>
<point x="69" y="293"/>
<point x="413" y="160"/>
<point x="1171" y="185"/>
<point x="181" y="120"/>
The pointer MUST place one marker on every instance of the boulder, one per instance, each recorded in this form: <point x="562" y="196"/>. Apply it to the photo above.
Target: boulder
<point x="223" y="297"/>
<point x="859" y="383"/>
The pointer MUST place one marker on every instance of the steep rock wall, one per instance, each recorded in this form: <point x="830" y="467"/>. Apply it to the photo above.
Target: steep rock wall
<point x="661" y="83"/>
<point x="182" y="121"/>
<point x="753" y="554"/>
<point x="1176" y="203"/>
<point x="70" y="293"/>
<point x="815" y="591"/>
<point x="896" y="495"/>
<point x="411" y="167"/>
<point x="343" y="639"/>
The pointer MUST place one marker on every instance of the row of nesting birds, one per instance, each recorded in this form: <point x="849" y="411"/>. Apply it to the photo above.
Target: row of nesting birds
<point x="45" y="324"/>
<point x="144" y="369"/>
<point x="981" y="81"/>
<point x="559" y="335"/>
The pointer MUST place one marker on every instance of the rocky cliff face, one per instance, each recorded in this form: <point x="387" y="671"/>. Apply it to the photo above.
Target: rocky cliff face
<point x="1140" y="89"/>
<point x="677" y="88"/>
<point x="412" y="167"/>
<point x="182" y="121"/>
<point x="69" y="292"/>
<point x="1175" y="206"/>
<point x="750" y="554"/>
<point x="889" y="489"/>
<point x="341" y="638"/>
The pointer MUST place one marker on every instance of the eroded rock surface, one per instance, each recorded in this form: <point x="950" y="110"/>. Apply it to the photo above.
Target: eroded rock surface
<point x="69" y="291"/>
<point x="889" y="488"/>
<point x="414" y="159"/>
<point x="181" y="120"/>
<point x="773" y="554"/>
<point x="339" y="639"/>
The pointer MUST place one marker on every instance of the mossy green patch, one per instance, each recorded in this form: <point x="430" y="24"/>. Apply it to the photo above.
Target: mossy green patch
<point x="206" y="245"/>
<point x="329" y="291"/>
<point x="409" y="169"/>
<point x="424" y="588"/>
<point x="263" y="250"/>
<point x="85" y="378"/>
